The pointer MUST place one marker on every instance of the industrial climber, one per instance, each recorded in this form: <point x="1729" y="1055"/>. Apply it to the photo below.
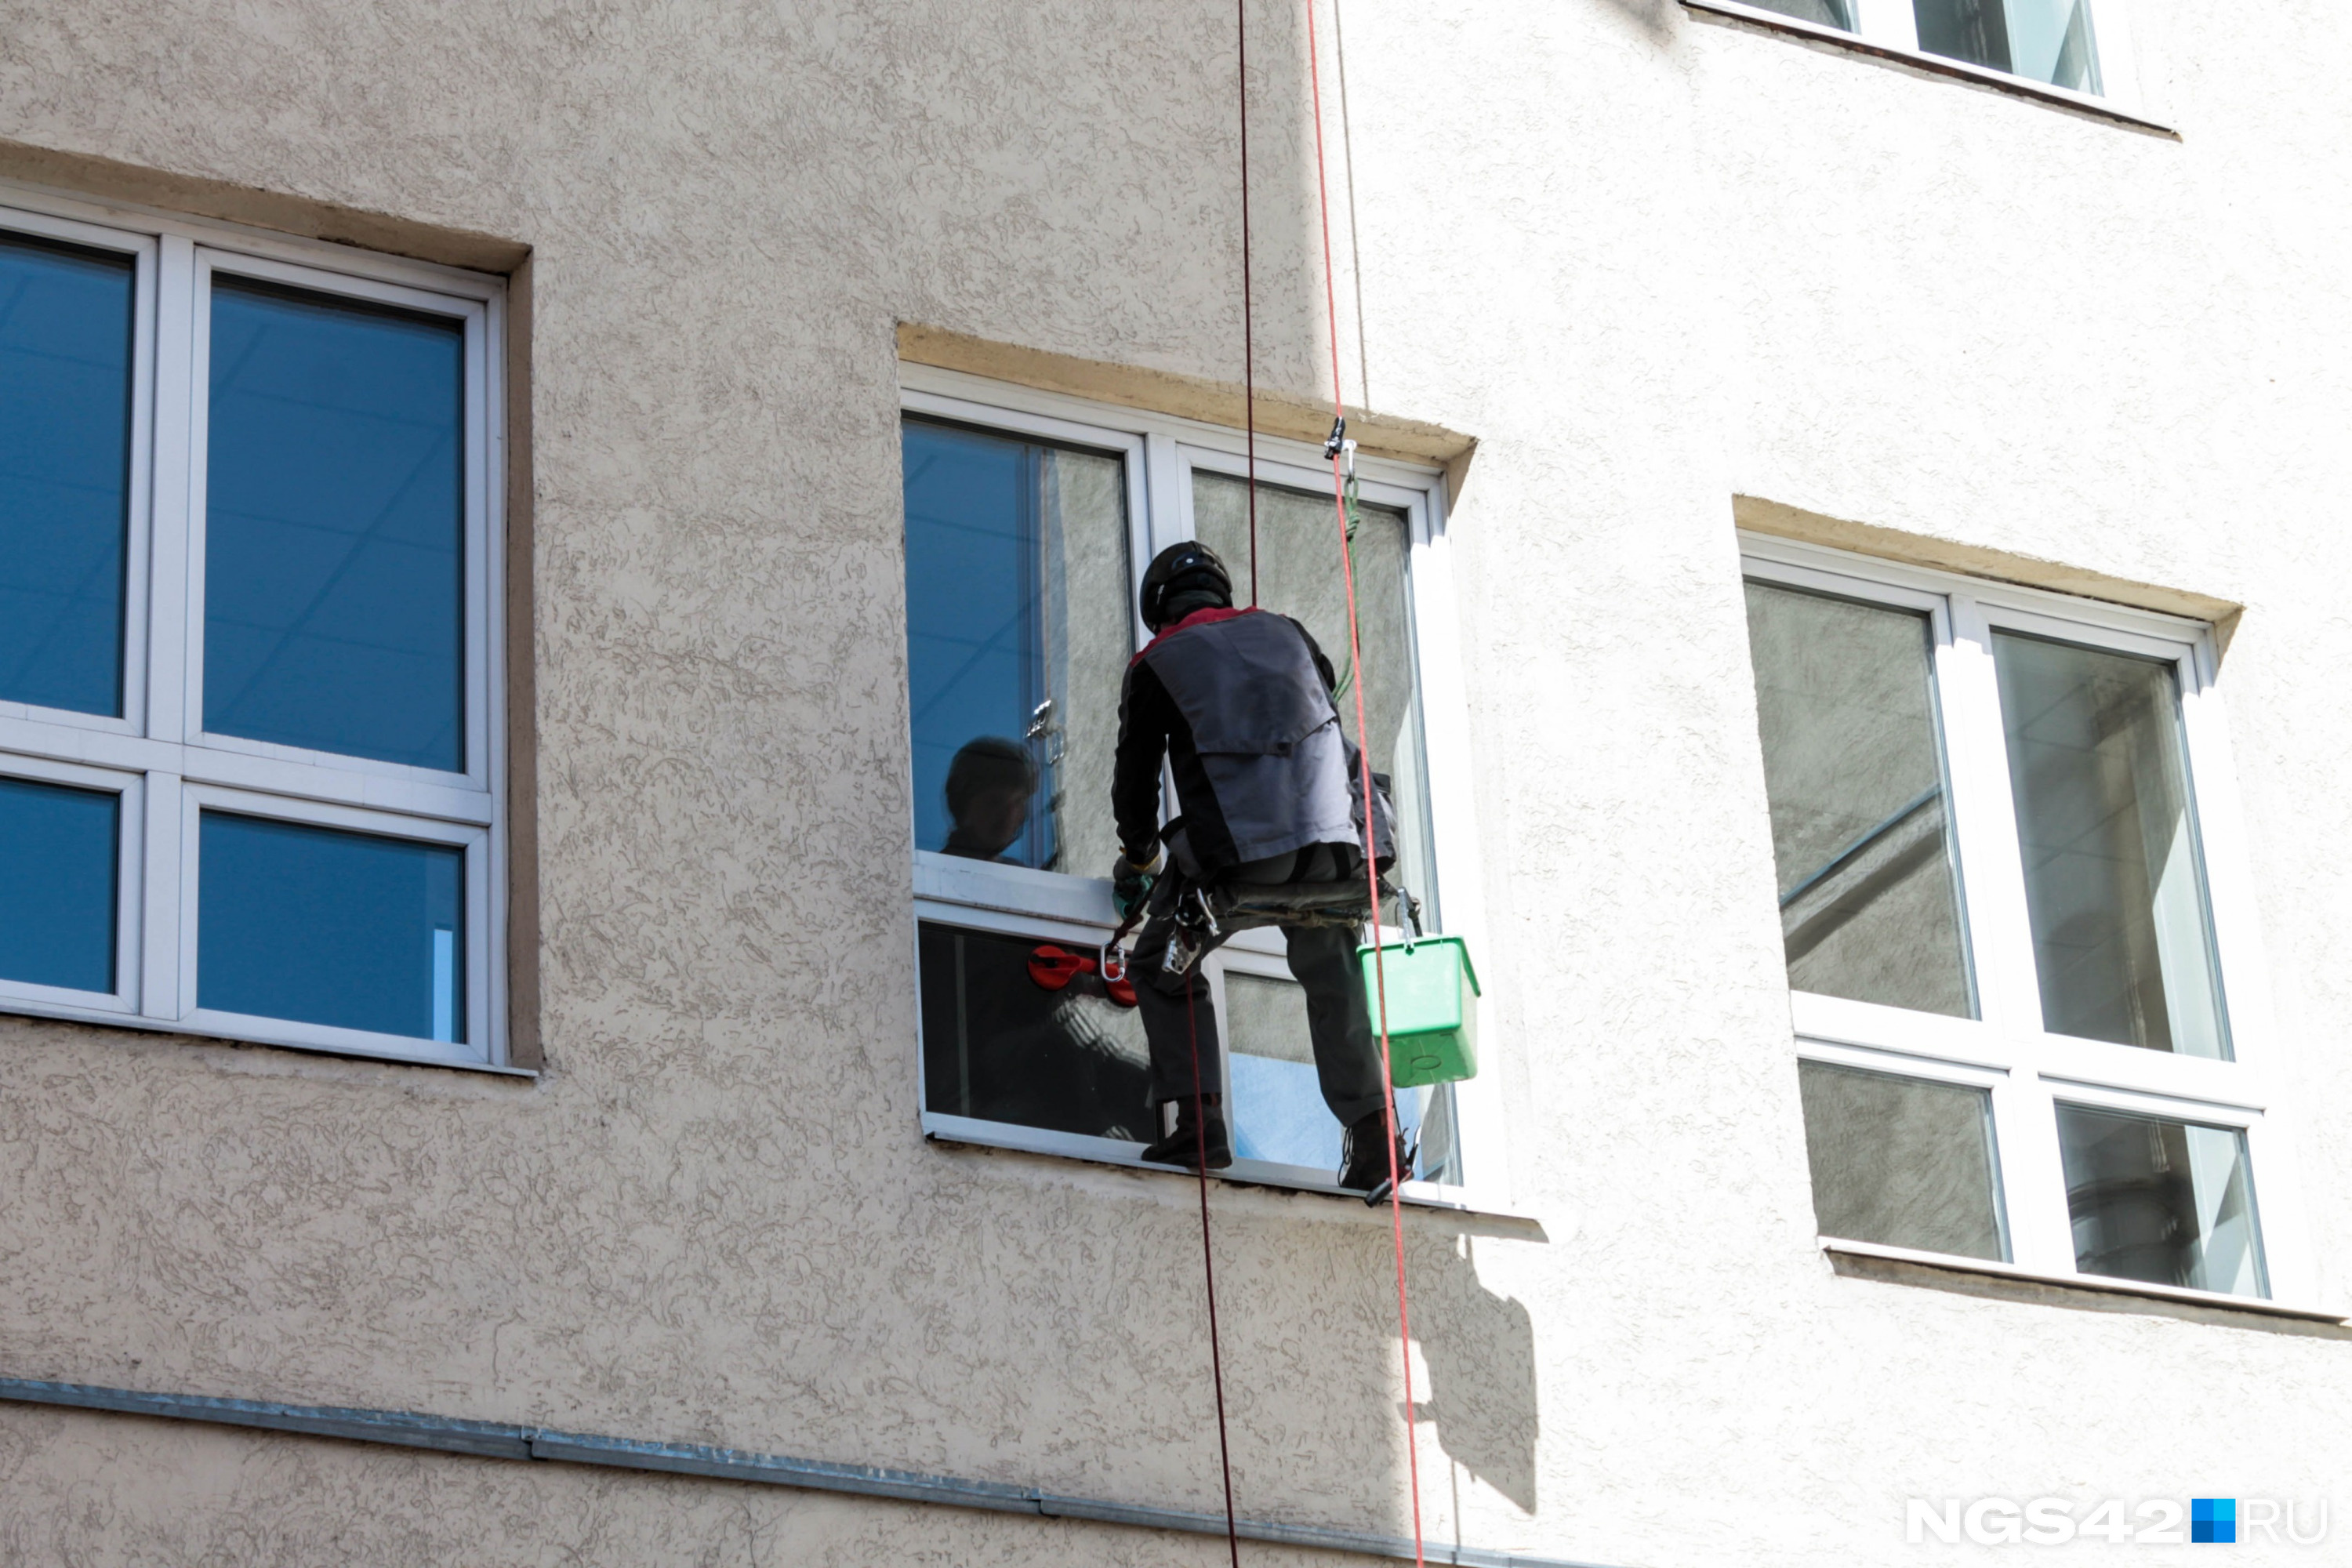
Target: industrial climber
<point x="1270" y="831"/>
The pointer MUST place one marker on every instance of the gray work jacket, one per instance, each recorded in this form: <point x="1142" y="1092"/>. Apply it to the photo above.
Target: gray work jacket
<point x="1263" y="765"/>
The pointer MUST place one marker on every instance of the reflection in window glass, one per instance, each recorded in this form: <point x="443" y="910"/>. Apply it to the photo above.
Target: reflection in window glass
<point x="1019" y="627"/>
<point x="1900" y="1162"/>
<point x="1277" y="1103"/>
<point x="1844" y="702"/>
<point x="2113" y="883"/>
<point x="322" y="926"/>
<point x="1299" y="575"/>
<point x="999" y="1048"/>
<point x="2167" y="1201"/>
<point x="2043" y="40"/>
<point x="65" y="466"/>
<point x="1828" y="12"/>
<point x="56" y="884"/>
<point x="334" y="527"/>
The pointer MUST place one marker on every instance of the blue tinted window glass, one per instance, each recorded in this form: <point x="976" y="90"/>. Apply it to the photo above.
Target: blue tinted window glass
<point x="57" y="885"/>
<point x="326" y="927"/>
<point x="976" y="663"/>
<point x="1018" y="633"/>
<point x="334" y="527"/>
<point x="65" y="463"/>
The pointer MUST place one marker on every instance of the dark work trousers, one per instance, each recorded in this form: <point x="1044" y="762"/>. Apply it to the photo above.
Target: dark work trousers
<point x="1323" y="960"/>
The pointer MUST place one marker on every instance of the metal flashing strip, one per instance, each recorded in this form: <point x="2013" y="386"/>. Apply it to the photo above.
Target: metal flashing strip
<point x="2103" y="1284"/>
<point x="497" y="1440"/>
<point x="2094" y="104"/>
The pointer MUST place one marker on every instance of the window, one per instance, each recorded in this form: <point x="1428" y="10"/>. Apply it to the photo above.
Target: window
<point x="2008" y="911"/>
<point x="249" y="728"/>
<point x="1029" y="520"/>
<point x="2055" y="43"/>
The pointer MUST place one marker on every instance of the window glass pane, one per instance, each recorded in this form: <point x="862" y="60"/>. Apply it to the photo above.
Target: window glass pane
<point x="2045" y="40"/>
<point x="65" y="468"/>
<point x="2168" y="1202"/>
<point x="998" y="1047"/>
<point x="334" y="527"/>
<point x="322" y="926"/>
<point x="1299" y="574"/>
<point x="1019" y="627"/>
<point x="1276" y="1102"/>
<point x="56" y="884"/>
<point x="2113" y="883"/>
<point x="1900" y="1162"/>
<point x="1828" y="12"/>
<point x="1845" y="704"/>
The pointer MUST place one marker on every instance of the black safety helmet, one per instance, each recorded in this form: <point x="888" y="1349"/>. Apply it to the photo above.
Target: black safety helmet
<point x="1181" y="571"/>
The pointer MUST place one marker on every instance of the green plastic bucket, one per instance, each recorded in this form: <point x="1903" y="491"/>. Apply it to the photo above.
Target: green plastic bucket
<point x="1433" y="1009"/>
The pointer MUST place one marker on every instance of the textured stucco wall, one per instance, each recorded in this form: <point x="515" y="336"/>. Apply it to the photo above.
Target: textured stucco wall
<point x="1650" y="263"/>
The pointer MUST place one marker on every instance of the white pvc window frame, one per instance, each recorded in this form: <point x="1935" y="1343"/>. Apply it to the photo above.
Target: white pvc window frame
<point x="156" y="754"/>
<point x="1160" y="453"/>
<point x="2004" y="1049"/>
<point x="1890" y="27"/>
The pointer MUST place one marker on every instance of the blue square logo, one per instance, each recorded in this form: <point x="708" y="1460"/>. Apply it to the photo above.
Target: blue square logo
<point x="2213" y="1520"/>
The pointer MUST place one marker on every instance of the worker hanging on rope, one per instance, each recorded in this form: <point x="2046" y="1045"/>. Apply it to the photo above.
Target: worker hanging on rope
<point x="1270" y="832"/>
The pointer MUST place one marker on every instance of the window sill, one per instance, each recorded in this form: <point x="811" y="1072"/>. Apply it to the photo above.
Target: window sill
<point x="1260" y="1173"/>
<point x="2088" y="1284"/>
<point x="220" y="1028"/>
<point x="1983" y="76"/>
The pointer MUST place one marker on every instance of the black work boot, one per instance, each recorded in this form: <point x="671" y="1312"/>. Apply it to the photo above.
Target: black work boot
<point x="1364" y="1158"/>
<point x="1183" y="1146"/>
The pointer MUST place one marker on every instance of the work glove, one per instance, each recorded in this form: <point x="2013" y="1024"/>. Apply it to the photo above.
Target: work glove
<point x="1131" y="884"/>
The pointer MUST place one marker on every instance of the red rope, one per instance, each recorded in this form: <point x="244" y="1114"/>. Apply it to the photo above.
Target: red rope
<point x="1209" y="1269"/>
<point x="1364" y="764"/>
<point x="1249" y="344"/>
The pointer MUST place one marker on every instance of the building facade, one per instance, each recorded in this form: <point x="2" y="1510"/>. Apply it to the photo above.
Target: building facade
<point x="567" y="572"/>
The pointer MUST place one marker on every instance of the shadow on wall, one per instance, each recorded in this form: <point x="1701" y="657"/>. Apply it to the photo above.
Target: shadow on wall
<point x="1655" y="17"/>
<point x="1480" y="1350"/>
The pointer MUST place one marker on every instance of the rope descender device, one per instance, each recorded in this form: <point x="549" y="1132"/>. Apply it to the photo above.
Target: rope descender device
<point x="1189" y="934"/>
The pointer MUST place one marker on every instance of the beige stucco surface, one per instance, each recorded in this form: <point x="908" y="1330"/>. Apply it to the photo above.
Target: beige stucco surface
<point x="1649" y="263"/>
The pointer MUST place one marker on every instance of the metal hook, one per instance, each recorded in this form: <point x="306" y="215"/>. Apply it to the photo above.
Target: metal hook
<point x="1208" y="915"/>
